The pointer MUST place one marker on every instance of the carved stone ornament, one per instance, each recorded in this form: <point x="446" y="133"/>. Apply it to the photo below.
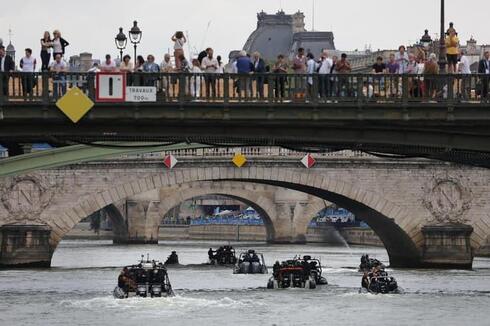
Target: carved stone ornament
<point x="26" y="197"/>
<point x="448" y="200"/>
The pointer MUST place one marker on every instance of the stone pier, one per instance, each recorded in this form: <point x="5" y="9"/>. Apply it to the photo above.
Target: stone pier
<point x="447" y="246"/>
<point x="25" y="246"/>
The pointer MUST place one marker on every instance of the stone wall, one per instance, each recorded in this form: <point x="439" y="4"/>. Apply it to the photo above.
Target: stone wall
<point x="361" y="236"/>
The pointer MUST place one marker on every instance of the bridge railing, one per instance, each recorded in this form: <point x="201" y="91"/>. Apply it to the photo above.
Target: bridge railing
<point x="249" y="152"/>
<point x="45" y="88"/>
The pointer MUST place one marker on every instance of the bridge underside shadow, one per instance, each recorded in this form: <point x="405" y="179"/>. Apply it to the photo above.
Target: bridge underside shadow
<point x="402" y="251"/>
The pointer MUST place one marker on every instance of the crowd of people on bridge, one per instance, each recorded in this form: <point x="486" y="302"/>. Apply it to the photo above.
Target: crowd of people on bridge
<point x="301" y="76"/>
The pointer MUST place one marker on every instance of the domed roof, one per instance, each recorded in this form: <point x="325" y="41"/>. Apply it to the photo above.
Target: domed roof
<point x="10" y="47"/>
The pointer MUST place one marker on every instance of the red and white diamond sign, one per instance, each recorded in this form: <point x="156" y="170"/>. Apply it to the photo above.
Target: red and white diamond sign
<point x="308" y="161"/>
<point x="170" y="161"/>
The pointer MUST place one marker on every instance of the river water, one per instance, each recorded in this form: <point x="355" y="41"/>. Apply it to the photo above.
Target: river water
<point x="78" y="291"/>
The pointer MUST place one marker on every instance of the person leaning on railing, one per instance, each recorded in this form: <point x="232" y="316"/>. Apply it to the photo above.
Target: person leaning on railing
<point x="7" y="65"/>
<point x="58" y="67"/>
<point x="379" y="68"/>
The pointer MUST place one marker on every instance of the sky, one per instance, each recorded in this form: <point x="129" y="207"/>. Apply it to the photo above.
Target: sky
<point x="91" y="25"/>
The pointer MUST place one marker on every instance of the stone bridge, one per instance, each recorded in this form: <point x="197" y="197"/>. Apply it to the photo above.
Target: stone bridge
<point x="426" y="213"/>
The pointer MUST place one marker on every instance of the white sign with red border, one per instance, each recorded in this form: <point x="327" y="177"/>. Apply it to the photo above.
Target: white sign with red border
<point x="111" y="87"/>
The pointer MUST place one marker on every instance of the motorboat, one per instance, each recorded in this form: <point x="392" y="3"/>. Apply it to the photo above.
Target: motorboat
<point x="225" y="255"/>
<point x="250" y="262"/>
<point x="291" y="274"/>
<point x="148" y="278"/>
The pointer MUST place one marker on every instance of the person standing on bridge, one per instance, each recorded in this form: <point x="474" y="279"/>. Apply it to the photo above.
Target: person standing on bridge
<point x="28" y="66"/>
<point x="179" y="41"/>
<point x="379" y="68"/>
<point x="393" y="68"/>
<point x="299" y="67"/>
<point x="465" y="81"/>
<point x="484" y="69"/>
<point x="196" y="79"/>
<point x="151" y="67"/>
<point x="452" y="46"/>
<point x="343" y="67"/>
<point x="210" y="65"/>
<point x="431" y="70"/>
<point x="108" y="65"/>
<point x="260" y="69"/>
<point x="59" y="44"/>
<point x="280" y="68"/>
<point x="311" y="69"/>
<point x="7" y="65"/>
<point x="324" y="71"/>
<point x="402" y="59"/>
<point x="46" y="46"/>
<point x="166" y="67"/>
<point x="244" y="69"/>
<point x="58" y="67"/>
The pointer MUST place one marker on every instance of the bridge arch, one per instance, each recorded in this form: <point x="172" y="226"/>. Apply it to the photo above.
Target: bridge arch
<point x="243" y="192"/>
<point x="400" y="232"/>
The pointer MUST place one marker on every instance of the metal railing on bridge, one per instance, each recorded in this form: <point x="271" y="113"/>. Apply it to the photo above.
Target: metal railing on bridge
<point x="314" y="89"/>
<point x="250" y="152"/>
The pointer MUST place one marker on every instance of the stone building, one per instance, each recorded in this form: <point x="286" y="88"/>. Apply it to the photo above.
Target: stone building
<point x="284" y="34"/>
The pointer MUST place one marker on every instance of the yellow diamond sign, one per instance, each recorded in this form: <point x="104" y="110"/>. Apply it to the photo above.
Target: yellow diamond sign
<point x="239" y="160"/>
<point x="75" y="104"/>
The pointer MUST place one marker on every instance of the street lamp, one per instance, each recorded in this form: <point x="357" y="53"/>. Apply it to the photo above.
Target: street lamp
<point x="135" y="35"/>
<point x="121" y="41"/>
<point x="426" y="40"/>
<point x="442" y="42"/>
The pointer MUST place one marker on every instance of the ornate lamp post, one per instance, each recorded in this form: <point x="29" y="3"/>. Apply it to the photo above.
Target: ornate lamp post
<point x="442" y="41"/>
<point x="121" y="41"/>
<point x="426" y="40"/>
<point x="135" y="35"/>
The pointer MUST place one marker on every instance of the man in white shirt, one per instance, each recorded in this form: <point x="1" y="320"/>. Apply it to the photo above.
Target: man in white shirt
<point x="464" y="64"/>
<point x="28" y="66"/>
<point x="210" y="65"/>
<point x="108" y="65"/>
<point x="326" y="65"/>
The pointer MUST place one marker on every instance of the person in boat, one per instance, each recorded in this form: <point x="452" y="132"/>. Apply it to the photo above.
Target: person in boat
<point x="306" y="267"/>
<point x="211" y="254"/>
<point x="275" y="269"/>
<point x="365" y="280"/>
<point x="254" y="258"/>
<point x="219" y="253"/>
<point x="173" y="259"/>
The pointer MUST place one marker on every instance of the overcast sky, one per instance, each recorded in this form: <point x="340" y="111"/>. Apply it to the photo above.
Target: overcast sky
<point x="91" y="25"/>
